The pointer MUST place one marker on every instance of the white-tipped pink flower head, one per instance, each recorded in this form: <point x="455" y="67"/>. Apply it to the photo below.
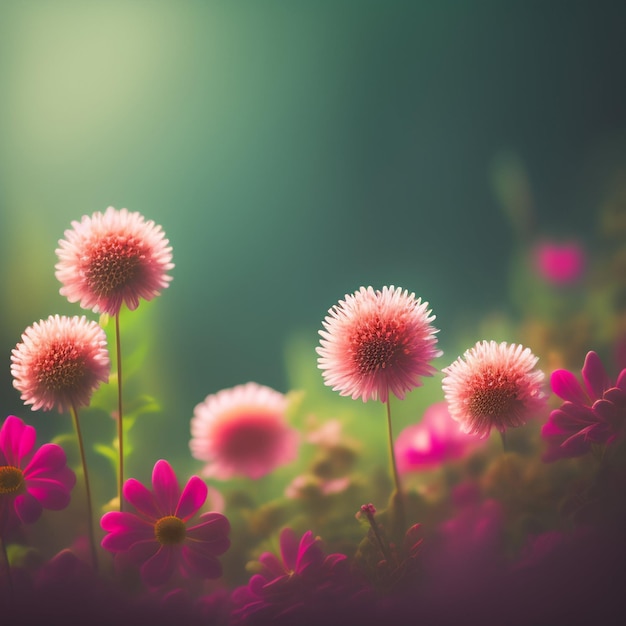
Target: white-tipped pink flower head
<point x="243" y="431"/>
<point x="60" y="362"/>
<point x="113" y="258"/>
<point x="377" y="342"/>
<point x="493" y="386"/>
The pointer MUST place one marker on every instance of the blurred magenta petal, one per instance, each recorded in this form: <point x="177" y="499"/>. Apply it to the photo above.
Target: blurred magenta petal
<point x="160" y="567"/>
<point x="289" y="545"/>
<point x="437" y="438"/>
<point x="199" y="562"/>
<point x="193" y="497"/>
<point x="565" y="385"/>
<point x="51" y="494"/>
<point x="28" y="508"/>
<point x="595" y="376"/>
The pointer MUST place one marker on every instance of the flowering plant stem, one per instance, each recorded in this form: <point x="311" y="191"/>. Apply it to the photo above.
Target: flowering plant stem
<point x="120" y="427"/>
<point x="81" y="448"/>
<point x="397" y="499"/>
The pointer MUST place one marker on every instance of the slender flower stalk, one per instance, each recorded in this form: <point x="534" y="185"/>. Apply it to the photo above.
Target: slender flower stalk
<point x="83" y="460"/>
<point x="120" y="425"/>
<point x="397" y="497"/>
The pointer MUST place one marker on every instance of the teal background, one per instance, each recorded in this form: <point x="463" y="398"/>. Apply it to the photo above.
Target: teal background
<point x="294" y="151"/>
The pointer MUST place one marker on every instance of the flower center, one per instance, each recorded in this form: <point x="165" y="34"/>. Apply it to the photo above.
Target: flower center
<point x="494" y="396"/>
<point x="377" y="345"/>
<point x="11" y="480"/>
<point x="170" y="530"/>
<point x="62" y="367"/>
<point x="114" y="262"/>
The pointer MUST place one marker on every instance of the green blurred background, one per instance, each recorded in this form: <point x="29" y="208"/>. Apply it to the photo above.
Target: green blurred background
<point x="294" y="151"/>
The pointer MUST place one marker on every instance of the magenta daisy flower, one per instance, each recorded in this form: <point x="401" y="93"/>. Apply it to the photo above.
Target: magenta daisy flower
<point x="60" y="362"/>
<point x="30" y="479"/>
<point x="243" y="431"/>
<point x="593" y="414"/>
<point x="113" y="258"/>
<point x="376" y="342"/>
<point x="161" y="538"/>
<point x="493" y="386"/>
<point x="301" y="582"/>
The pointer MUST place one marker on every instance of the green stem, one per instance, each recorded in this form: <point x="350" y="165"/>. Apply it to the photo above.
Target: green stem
<point x="83" y="460"/>
<point x="120" y="426"/>
<point x="398" y="498"/>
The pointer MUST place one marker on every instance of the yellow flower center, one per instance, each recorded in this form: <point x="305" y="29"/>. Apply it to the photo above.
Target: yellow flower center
<point x="11" y="480"/>
<point x="170" y="530"/>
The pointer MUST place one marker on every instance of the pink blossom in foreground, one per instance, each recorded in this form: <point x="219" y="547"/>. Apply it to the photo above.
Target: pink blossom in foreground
<point x="299" y="583"/>
<point x="559" y="264"/>
<point x="437" y="438"/>
<point x="113" y="258"/>
<point x="161" y="537"/>
<point x="30" y="479"/>
<point x="493" y="386"/>
<point x="377" y="342"/>
<point x="243" y="431"/>
<point x="593" y="414"/>
<point x="60" y="362"/>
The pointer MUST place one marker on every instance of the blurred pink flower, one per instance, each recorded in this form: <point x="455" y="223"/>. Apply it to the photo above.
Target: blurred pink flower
<point x="30" y="480"/>
<point x="559" y="264"/>
<point x="160" y="538"/>
<point x="493" y="386"/>
<point x="595" y="413"/>
<point x="437" y="438"/>
<point x="302" y="580"/>
<point x="61" y="361"/>
<point x="377" y="342"/>
<point x="242" y="431"/>
<point x="113" y="258"/>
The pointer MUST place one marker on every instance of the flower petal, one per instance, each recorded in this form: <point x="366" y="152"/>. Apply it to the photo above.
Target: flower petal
<point x="125" y="529"/>
<point x="141" y="498"/>
<point x="213" y="526"/>
<point x="47" y="461"/>
<point x="165" y="486"/>
<point x="16" y="440"/>
<point x="193" y="497"/>
<point x="51" y="494"/>
<point x="565" y="385"/>
<point x="595" y="376"/>
<point x="159" y="568"/>
<point x="28" y="508"/>
<point x="289" y="547"/>
<point x="200" y="562"/>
